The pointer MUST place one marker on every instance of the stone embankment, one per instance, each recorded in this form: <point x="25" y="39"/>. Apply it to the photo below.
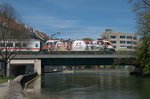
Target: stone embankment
<point x="17" y="86"/>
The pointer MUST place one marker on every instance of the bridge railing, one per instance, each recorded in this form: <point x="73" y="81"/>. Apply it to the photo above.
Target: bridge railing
<point x="78" y="53"/>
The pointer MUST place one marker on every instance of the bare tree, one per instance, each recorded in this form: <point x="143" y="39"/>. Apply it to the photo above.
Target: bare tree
<point x="13" y="34"/>
<point x="142" y="10"/>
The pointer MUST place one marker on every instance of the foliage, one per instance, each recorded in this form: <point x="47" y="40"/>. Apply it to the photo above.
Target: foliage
<point x="87" y="38"/>
<point x="142" y="10"/>
<point x="4" y="79"/>
<point x="143" y="54"/>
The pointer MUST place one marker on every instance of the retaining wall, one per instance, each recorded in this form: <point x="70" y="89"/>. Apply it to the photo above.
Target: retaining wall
<point x="17" y="86"/>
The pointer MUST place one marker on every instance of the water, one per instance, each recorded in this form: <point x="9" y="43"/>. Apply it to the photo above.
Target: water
<point x="94" y="85"/>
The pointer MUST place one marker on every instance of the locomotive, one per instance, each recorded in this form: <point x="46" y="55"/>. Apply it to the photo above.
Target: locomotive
<point x="78" y="45"/>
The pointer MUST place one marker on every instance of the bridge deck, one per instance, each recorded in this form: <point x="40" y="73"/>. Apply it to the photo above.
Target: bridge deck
<point x="74" y="54"/>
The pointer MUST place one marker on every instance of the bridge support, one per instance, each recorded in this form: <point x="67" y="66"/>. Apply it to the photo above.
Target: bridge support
<point x="8" y="70"/>
<point x="37" y="66"/>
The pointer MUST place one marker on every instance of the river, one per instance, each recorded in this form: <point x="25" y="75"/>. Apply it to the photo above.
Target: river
<point x="94" y="85"/>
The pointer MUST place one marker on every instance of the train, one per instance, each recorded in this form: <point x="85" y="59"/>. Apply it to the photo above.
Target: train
<point x="31" y="45"/>
<point x="78" y="45"/>
<point x="35" y="45"/>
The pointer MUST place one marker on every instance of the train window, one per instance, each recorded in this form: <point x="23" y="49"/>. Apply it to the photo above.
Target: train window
<point x="9" y="44"/>
<point x="55" y="43"/>
<point x="2" y="44"/>
<point x="17" y="44"/>
<point x="24" y="44"/>
<point x="36" y="45"/>
<point x="49" y="43"/>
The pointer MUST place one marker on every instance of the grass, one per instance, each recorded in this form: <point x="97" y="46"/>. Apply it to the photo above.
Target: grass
<point x="5" y="79"/>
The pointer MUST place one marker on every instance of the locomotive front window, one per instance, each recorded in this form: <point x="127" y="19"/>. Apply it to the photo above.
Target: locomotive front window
<point x="50" y="43"/>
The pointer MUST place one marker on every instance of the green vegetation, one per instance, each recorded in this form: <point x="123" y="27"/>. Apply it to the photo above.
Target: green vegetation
<point x="87" y="38"/>
<point x="142" y="11"/>
<point x="143" y="54"/>
<point x="5" y="79"/>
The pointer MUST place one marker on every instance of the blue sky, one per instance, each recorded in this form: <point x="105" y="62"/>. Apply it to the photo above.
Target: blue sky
<point x="76" y="19"/>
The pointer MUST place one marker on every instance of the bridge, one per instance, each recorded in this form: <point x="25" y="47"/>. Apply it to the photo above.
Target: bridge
<point x="69" y="58"/>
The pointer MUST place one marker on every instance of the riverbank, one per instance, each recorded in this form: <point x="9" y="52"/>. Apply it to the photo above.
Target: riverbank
<point x="4" y="90"/>
<point x="92" y="71"/>
<point x="5" y="79"/>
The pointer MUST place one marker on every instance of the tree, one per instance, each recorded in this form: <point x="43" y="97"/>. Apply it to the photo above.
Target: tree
<point x="143" y="54"/>
<point x="87" y="38"/>
<point x="142" y="10"/>
<point x="12" y="30"/>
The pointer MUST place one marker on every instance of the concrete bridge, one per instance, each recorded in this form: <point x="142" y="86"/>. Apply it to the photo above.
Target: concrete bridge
<point x="39" y="60"/>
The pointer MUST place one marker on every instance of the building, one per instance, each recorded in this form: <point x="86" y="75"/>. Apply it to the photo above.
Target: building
<point x="121" y="41"/>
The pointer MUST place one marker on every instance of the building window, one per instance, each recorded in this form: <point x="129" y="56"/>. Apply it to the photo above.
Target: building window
<point x="135" y="38"/>
<point x="122" y="42"/>
<point x="129" y="42"/>
<point x="122" y="46"/>
<point x="134" y="42"/>
<point x="104" y="37"/>
<point x="112" y="37"/>
<point x="113" y="42"/>
<point x="129" y="37"/>
<point x="122" y="37"/>
<point x="129" y="47"/>
<point x="134" y="47"/>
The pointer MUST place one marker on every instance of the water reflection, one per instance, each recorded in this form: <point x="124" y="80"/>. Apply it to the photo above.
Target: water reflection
<point x="94" y="85"/>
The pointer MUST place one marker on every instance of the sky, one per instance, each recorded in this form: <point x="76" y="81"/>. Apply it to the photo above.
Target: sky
<point x="76" y="19"/>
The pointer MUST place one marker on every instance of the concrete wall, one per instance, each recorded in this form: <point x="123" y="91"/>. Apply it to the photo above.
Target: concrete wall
<point x="16" y="86"/>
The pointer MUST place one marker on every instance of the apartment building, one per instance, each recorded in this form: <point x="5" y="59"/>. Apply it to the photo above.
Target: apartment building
<point x="121" y="41"/>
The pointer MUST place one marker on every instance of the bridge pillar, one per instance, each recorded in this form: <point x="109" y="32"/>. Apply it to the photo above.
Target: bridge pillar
<point x="37" y="66"/>
<point x="8" y="70"/>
